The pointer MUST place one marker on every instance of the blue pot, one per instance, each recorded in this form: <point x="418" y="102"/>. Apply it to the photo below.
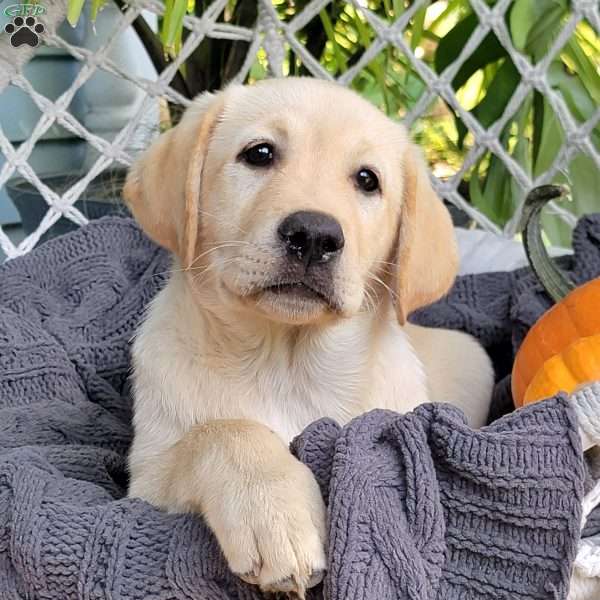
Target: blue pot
<point x="101" y="198"/>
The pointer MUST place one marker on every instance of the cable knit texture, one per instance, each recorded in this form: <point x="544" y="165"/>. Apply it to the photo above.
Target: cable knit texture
<point x="419" y="505"/>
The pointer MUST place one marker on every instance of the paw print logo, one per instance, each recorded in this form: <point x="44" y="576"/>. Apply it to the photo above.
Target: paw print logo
<point x="24" y="31"/>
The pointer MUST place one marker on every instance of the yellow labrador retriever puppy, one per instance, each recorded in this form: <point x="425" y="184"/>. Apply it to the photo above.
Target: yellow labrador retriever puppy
<point x="304" y="230"/>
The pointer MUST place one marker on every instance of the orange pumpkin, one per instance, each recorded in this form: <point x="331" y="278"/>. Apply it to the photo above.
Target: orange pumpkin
<point x="562" y="350"/>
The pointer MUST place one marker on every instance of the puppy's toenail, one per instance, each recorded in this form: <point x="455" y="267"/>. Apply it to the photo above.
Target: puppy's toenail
<point x="249" y="577"/>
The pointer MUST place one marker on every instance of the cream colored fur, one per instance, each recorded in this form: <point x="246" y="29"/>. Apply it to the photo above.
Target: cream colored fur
<point x="225" y="373"/>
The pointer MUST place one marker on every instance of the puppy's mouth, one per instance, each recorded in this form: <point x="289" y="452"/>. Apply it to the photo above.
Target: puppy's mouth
<point x="299" y="289"/>
<point x="299" y="292"/>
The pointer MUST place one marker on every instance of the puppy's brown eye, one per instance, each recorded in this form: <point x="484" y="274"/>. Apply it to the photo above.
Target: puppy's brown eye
<point x="260" y="155"/>
<point x="367" y="181"/>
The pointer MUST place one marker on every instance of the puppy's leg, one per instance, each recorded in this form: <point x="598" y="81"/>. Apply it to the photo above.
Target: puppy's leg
<point x="458" y="370"/>
<point x="263" y="505"/>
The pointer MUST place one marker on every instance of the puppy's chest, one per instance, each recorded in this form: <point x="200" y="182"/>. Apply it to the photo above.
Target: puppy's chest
<point x="339" y="375"/>
<point x="287" y="395"/>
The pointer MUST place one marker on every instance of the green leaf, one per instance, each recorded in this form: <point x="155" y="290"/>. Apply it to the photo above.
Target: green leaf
<point x="476" y="195"/>
<point x="417" y="28"/>
<point x="387" y="8"/>
<point x="573" y="91"/>
<point x="581" y="175"/>
<point x="96" y="6"/>
<point x="375" y="66"/>
<point x="580" y="104"/>
<point x="550" y="141"/>
<point x="453" y="42"/>
<point x="494" y="187"/>
<point x="585" y="68"/>
<point x="533" y="24"/>
<point x="451" y="7"/>
<point x="546" y="22"/>
<point x="538" y="123"/>
<point x="522" y="17"/>
<point x="583" y="178"/>
<point x="501" y="193"/>
<point x="74" y="11"/>
<point x="329" y="31"/>
<point x="490" y="50"/>
<point x="585" y="185"/>
<point x="364" y="35"/>
<point x="496" y="193"/>
<point x="523" y="158"/>
<point x="173" y="25"/>
<point x="498" y="94"/>
<point x="398" y="8"/>
<point x="166" y="21"/>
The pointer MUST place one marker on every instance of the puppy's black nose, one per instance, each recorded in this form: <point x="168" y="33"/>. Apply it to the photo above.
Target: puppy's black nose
<point x="311" y="237"/>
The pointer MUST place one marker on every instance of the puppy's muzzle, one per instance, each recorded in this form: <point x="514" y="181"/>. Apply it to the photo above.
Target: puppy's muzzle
<point x="311" y="241"/>
<point x="311" y="237"/>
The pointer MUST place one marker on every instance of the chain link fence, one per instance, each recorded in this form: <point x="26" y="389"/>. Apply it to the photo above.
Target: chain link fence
<point x="274" y="45"/>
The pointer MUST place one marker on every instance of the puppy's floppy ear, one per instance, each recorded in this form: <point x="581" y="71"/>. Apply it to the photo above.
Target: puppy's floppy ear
<point x="426" y="254"/>
<point x="163" y="187"/>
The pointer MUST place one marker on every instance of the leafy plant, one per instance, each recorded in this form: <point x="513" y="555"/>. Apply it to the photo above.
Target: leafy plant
<point x="209" y="67"/>
<point x="437" y="32"/>
<point x="533" y="136"/>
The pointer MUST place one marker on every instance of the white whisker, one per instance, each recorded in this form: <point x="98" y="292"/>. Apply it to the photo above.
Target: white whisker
<point x="385" y="285"/>
<point x="226" y="244"/>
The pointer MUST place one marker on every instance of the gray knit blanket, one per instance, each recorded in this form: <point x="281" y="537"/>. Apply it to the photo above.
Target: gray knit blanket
<point x="419" y="505"/>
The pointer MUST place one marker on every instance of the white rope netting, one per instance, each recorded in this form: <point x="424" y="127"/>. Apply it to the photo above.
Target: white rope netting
<point x="275" y="36"/>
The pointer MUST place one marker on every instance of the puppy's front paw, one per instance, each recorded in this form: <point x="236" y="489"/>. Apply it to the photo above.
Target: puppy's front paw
<point x="272" y="531"/>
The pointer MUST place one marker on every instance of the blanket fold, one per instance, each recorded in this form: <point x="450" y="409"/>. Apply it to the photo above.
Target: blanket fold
<point x="423" y="507"/>
<point x="420" y="506"/>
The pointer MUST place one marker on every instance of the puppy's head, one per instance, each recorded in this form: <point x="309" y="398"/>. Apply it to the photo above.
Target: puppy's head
<point x="297" y="200"/>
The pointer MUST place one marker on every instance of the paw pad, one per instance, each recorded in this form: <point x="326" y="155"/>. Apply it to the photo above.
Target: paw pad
<point x="24" y="31"/>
